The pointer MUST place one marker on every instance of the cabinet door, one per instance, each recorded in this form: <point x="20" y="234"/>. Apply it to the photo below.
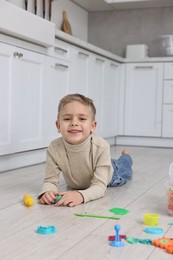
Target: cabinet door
<point x="57" y="81"/>
<point x="167" y="127"/>
<point x="95" y="86"/>
<point x="168" y="70"/>
<point x="27" y="77"/>
<point x="6" y="56"/>
<point x="110" y="99"/>
<point x="79" y="70"/>
<point x="143" y="99"/>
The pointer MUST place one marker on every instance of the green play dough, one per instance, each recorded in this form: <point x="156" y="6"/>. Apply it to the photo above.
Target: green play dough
<point x="119" y="211"/>
<point x="57" y="199"/>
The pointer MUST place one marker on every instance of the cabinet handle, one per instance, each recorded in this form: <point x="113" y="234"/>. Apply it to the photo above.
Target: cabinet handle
<point x="101" y="60"/>
<point x="15" y="54"/>
<point x="143" y="67"/>
<point x="83" y="54"/>
<point x="114" y="65"/>
<point x="18" y="54"/>
<point x="61" y="66"/>
<point x="60" y="49"/>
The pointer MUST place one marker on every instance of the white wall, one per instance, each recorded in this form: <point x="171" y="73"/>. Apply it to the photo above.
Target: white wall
<point x="77" y="17"/>
<point x="112" y="31"/>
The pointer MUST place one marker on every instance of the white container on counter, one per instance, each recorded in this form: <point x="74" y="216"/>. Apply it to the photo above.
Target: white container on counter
<point x="137" y="51"/>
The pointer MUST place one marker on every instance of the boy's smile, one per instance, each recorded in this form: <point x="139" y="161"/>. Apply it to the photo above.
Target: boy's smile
<point x="75" y="122"/>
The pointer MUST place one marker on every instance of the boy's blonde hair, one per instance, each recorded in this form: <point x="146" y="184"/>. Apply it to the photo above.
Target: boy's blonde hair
<point x="77" y="97"/>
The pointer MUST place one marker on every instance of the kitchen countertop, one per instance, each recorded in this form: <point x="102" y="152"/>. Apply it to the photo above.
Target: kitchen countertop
<point x="150" y="59"/>
<point x="10" y="39"/>
<point x="80" y="43"/>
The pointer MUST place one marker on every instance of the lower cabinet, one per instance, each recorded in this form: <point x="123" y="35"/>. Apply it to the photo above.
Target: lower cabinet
<point x="79" y="65"/>
<point x="97" y="77"/>
<point x="55" y="87"/>
<point x="95" y="87"/>
<point x="167" y="127"/>
<point x="143" y="99"/>
<point x="167" y="117"/>
<point x="22" y="80"/>
<point x="32" y="85"/>
<point x="110" y="100"/>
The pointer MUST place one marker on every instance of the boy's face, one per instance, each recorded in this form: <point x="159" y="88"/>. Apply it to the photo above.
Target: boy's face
<point x="75" y="122"/>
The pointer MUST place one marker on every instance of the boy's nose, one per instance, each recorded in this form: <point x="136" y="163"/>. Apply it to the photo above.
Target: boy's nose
<point x="74" y="122"/>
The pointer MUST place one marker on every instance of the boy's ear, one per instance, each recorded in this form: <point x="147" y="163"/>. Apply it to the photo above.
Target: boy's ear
<point x="58" y="125"/>
<point x="93" y="127"/>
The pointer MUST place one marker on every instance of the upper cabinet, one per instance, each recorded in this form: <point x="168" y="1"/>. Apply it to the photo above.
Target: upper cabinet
<point x="107" y="5"/>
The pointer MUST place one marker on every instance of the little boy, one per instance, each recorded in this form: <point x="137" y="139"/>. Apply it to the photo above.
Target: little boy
<point x="82" y="157"/>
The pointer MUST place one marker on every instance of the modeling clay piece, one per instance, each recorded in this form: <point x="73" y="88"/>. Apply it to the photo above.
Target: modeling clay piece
<point x="28" y="200"/>
<point x="151" y="219"/>
<point x="46" y="230"/>
<point x="57" y="199"/>
<point x="133" y="240"/>
<point x="119" y="211"/>
<point x="153" y="230"/>
<point x="165" y="243"/>
<point x="112" y="238"/>
<point x="117" y="242"/>
<point x="94" y="216"/>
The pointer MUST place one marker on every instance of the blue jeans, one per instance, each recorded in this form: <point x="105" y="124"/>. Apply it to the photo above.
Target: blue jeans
<point x="122" y="170"/>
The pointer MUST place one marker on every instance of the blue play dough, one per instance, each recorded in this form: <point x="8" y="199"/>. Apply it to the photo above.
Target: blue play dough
<point x="46" y="230"/>
<point x="153" y="230"/>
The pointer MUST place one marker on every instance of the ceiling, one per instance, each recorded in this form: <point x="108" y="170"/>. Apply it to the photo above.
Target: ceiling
<point x="110" y="5"/>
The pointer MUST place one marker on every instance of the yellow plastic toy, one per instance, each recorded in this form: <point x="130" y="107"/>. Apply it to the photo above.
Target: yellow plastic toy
<point x="28" y="200"/>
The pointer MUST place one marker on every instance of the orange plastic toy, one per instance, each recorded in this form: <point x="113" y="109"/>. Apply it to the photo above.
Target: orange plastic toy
<point x="164" y="243"/>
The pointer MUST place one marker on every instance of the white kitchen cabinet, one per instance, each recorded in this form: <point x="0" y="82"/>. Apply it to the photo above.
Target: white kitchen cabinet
<point x="55" y="87"/>
<point x="78" y="70"/>
<point x="143" y="99"/>
<point x="110" y="100"/>
<point x="6" y="55"/>
<point x="167" y="128"/>
<point x="61" y="50"/>
<point x="168" y="71"/>
<point x="167" y="125"/>
<point x="95" y="86"/>
<point x="97" y="77"/>
<point x="21" y="99"/>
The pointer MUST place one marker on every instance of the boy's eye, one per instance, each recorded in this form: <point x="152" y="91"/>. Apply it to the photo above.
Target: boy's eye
<point x="82" y="119"/>
<point x="66" y="119"/>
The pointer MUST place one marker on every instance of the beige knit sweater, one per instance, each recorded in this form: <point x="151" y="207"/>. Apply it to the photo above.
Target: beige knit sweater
<point x="86" y="167"/>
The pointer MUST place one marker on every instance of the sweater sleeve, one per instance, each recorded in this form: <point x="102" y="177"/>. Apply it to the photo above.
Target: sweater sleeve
<point x="102" y="176"/>
<point x="51" y="180"/>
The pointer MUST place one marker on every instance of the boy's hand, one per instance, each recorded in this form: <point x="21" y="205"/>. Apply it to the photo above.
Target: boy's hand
<point x="48" y="197"/>
<point x="70" y="198"/>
